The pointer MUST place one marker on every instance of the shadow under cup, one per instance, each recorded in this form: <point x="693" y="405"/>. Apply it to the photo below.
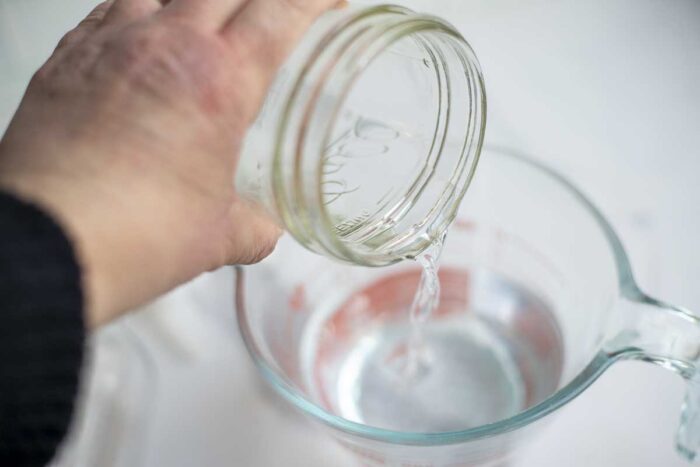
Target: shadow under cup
<point x="537" y="299"/>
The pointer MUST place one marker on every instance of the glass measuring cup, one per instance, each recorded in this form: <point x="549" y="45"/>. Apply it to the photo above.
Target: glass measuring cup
<point x="537" y="300"/>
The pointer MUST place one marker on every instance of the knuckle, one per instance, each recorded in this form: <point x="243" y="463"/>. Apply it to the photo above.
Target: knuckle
<point x="268" y="248"/>
<point x="66" y="67"/>
<point x="261" y="251"/>
<point x="100" y="11"/>
<point x="139" y="57"/>
<point x="41" y="76"/>
<point x="92" y="19"/>
<point x="134" y="49"/>
<point x="69" y="38"/>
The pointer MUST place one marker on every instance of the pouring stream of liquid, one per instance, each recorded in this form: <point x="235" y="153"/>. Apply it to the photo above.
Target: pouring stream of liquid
<point x="425" y="301"/>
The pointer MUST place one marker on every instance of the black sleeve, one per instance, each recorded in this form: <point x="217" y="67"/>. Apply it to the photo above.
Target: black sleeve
<point x="41" y="334"/>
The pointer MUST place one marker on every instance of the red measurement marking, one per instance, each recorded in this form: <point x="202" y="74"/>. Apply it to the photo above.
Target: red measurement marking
<point x="297" y="302"/>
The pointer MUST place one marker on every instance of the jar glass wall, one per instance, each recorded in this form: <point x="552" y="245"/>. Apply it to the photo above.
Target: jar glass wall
<point x="370" y="135"/>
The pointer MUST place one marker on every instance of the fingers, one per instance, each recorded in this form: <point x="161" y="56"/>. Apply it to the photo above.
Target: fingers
<point x="108" y="12"/>
<point x="264" y="32"/>
<point x="86" y="26"/>
<point x="208" y="14"/>
<point x="276" y="25"/>
<point x="253" y="234"/>
<point x="125" y="11"/>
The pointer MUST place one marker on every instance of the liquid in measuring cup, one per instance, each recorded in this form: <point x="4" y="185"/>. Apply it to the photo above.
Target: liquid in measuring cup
<point x="478" y="348"/>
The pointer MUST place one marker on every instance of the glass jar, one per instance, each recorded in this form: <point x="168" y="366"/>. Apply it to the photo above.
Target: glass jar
<point x="369" y="136"/>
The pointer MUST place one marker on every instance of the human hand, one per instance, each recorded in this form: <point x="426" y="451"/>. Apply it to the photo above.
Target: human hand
<point x="130" y="134"/>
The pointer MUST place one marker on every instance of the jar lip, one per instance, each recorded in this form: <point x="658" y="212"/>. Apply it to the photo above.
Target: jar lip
<point x="314" y="219"/>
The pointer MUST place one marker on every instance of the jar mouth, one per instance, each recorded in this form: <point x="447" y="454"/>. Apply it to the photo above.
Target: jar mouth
<point x="406" y="218"/>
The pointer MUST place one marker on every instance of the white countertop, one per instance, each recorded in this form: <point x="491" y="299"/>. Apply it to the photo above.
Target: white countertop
<point x="605" y="91"/>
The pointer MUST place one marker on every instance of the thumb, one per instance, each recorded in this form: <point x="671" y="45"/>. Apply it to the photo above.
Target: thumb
<point x="252" y="234"/>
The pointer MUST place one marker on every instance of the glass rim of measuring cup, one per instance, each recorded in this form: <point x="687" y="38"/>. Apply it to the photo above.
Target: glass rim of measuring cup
<point x="604" y="358"/>
<point x="343" y="56"/>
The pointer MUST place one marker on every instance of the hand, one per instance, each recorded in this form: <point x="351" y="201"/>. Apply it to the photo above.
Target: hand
<point x="130" y="134"/>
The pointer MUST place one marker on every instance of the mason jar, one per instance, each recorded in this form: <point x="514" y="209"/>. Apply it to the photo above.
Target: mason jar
<point x="369" y="136"/>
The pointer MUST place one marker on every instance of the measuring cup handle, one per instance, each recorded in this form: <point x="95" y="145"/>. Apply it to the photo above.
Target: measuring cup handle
<point x="657" y="332"/>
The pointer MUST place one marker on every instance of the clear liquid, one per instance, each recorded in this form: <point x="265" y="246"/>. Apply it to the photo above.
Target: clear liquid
<point x="425" y="301"/>
<point x="489" y="348"/>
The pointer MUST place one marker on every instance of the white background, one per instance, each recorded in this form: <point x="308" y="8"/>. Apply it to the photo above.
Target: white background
<point x="606" y="91"/>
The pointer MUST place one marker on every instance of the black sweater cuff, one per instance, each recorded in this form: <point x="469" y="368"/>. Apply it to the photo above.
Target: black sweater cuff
<point x="41" y="333"/>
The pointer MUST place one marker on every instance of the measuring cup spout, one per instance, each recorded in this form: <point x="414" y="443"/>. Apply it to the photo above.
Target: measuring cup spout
<point x="657" y="332"/>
